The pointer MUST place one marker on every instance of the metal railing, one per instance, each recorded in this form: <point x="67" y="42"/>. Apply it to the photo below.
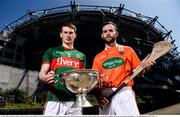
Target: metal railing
<point x="74" y="8"/>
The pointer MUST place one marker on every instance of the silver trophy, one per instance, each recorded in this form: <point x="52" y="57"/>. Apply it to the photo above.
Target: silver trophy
<point x="81" y="82"/>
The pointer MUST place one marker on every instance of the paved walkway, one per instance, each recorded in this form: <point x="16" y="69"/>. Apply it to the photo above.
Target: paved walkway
<point x="171" y="110"/>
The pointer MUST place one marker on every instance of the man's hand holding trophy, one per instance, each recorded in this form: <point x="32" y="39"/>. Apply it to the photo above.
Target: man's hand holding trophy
<point x="80" y="82"/>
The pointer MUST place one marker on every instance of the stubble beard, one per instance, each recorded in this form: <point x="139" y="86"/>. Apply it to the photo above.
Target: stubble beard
<point x="109" y="42"/>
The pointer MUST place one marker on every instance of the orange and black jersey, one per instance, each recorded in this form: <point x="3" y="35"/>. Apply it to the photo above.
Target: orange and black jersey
<point x="118" y="63"/>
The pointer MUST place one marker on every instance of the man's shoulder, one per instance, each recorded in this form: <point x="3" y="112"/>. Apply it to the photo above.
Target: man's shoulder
<point x="103" y="53"/>
<point x="128" y="48"/>
<point x="100" y="54"/>
<point x="79" y="52"/>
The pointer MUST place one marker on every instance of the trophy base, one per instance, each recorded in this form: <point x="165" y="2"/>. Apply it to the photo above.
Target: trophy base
<point x="81" y="101"/>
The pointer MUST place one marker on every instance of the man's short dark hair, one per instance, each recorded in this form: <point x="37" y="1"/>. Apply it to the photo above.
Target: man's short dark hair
<point x="110" y="22"/>
<point x="70" y="25"/>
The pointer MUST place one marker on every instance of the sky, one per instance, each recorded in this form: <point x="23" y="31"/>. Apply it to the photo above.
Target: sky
<point x="166" y="10"/>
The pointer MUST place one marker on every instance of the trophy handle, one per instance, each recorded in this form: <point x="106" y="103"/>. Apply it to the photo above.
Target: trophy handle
<point x="62" y="81"/>
<point x="101" y="75"/>
<point x="102" y="78"/>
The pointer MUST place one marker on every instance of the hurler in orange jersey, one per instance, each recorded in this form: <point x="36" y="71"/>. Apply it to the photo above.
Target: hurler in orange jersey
<point x="118" y="62"/>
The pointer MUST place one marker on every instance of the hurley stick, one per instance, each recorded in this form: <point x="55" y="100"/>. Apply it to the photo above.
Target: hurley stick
<point x="159" y="49"/>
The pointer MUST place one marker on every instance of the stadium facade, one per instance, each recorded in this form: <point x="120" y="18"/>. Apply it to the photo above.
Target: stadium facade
<point x="24" y="41"/>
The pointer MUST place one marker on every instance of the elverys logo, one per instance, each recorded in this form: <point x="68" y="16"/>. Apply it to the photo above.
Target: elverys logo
<point x="112" y="63"/>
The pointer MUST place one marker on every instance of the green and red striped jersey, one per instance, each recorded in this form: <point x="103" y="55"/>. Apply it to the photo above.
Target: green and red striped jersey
<point x="61" y="60"/>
